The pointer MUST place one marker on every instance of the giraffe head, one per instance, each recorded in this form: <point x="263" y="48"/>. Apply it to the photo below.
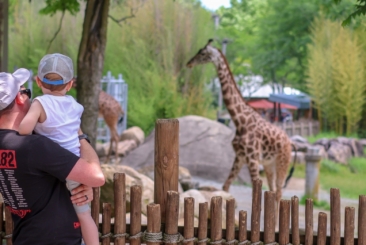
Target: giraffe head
<point x="205" y="55"/>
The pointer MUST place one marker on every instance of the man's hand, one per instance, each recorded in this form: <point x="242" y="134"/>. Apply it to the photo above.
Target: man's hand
<point x="82" y="195"/>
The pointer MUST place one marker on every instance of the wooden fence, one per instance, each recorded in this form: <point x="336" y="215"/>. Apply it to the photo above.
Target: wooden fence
<point x="162" y="215"/>
<point x="302" y="128"/>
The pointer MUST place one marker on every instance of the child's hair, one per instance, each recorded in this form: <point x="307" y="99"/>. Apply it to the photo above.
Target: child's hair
<point x="53" y="77"/>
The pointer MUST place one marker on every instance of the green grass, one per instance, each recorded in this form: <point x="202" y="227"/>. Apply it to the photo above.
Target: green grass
<point x="316" y="203"/>
<point x="350" y="180"/>
<point x="328" y="135"/>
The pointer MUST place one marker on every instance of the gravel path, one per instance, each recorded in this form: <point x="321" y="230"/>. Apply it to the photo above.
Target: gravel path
<point x="296" y="186"/>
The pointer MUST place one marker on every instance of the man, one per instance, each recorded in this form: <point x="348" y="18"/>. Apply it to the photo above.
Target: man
<point x="33" y="170"/>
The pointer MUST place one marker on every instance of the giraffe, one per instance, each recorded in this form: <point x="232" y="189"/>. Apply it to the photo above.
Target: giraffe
<point x="256" y="140"/>
<point x="112" y="113"/>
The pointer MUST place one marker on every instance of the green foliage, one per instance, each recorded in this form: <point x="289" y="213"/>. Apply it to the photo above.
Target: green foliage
<point x="336" y="75"/>
<point x="149" y="50"/>
<point x="328" y="166"/>
<point x="349" y="179"/>
<point x="52" y="6"/>
<point x="360" y="10"/>
<point x="327" y="135"/>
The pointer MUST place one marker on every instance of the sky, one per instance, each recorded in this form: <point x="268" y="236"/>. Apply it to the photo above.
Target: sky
<point x="215" y="4"/>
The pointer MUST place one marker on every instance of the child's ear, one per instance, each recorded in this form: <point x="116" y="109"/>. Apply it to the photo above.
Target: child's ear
<point x="38" y="81"/>
<point x="69" y="85"/>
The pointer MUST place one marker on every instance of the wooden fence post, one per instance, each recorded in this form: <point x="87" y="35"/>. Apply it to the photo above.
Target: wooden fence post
<point x="284" y="222"/>
<point x="9" y="227"/>
<point x="362" y="220"/>
<point x="119" y="208"/>
<point x="335" y="217"/>
<point x="153" y="221"/>
<point x="202" y="223"/>
<point x="189" y="219"/>
<point x="309" y="222"/>
<point x="295" y="220"/>
<point x="242" y="226"/>
<point x="95" y="205"/>
<point x="135" y="228"/>
<point x="349" y="226"/>
<point x="269" y="216"/>
<point x="216" y="219"/>
<point x="166" y="161"/>
<point x="312" y="159"/>
<point x="106" y="224"/>
<point x="230" y="220"/>
<point x="322" y="229"/>
<point x="172" y="207"/>
<point x="256" y="211"/>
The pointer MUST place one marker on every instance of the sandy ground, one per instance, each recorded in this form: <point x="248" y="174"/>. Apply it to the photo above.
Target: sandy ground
<point x="296" y="186"/>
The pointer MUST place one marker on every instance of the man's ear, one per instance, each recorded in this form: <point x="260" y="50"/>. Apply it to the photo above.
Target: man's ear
<point x="19" y="99"/>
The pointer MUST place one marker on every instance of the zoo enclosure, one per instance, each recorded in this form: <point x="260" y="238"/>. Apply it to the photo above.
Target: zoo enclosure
<point x="302" y="128"/>
<point x="115" y="87"/>
<point x="162" y="215"/>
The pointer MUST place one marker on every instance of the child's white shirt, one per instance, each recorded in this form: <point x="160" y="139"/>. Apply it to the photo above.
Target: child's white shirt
<point x="63" y="121"/>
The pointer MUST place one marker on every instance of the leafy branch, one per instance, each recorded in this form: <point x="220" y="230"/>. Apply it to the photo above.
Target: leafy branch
<point x="133" y="11"/>
<point x="360" y="10"/>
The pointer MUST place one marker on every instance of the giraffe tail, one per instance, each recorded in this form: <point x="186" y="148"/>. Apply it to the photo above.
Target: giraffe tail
<point x="292" y="168"/>
<point x="120" y="120"/>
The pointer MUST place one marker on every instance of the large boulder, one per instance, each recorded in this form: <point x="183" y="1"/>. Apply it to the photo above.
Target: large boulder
<point x="205" y="149"/>
<point x="132" y="178"/>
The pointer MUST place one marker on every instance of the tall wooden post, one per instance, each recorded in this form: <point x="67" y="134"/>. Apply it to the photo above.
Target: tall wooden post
<point x="312" y="159"/>
<point x="166" y="161"/>
<point x="4" y="23"/>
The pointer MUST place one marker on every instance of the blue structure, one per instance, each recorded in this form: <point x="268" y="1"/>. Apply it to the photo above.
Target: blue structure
<point x="301" y="101"/>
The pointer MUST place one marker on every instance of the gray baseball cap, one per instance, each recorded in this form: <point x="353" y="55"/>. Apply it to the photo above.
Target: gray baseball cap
<point x="10" y="85"/>
<point x="56" y="63"/>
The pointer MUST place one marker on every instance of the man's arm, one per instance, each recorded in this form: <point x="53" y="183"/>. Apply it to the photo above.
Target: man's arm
<point x="87" y="169"/>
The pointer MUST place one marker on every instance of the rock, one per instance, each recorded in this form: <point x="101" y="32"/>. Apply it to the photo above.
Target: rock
<point x="205" y="149"/>
<point x="299" y="139"/>
<point x="202" y="197"/>
<point x="101" y="150"/>
<point x="354" y="145"/>
<point x="135" y="134"/>
<point x="132" y="178"/>
<point x="124" y="147"/>
<point x="198" y="198"/>
<point x="323" y="142"/>
<point x="339" y="153"/>
<point x="207" y="188"/>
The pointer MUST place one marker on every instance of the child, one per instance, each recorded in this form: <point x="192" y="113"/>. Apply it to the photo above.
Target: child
<point x="57" y="116"/>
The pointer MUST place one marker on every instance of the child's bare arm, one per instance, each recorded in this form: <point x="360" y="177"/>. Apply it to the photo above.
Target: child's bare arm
<point x="30" y="120"/>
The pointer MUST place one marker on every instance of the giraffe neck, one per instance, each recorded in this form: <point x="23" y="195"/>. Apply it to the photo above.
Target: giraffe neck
<point x="230" y="92"/>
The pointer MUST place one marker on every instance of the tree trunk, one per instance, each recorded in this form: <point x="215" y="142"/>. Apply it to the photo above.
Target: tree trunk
<point x="4" y="8"/>
<point x="90" y="63"/>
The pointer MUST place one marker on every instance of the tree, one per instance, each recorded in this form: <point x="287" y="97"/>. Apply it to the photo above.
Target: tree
<point x="360" y="10"/>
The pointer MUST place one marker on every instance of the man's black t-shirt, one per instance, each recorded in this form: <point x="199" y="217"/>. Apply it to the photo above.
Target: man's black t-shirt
<point x="33" y="170"/>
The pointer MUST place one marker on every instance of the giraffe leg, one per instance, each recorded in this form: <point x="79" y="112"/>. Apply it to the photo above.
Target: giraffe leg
<point x="283" y="160"/>
<point x="270" y="171"/>
<point x="109" y="151"/>
<point x="238" y="163"/>
<point x="253" y="166"/>
<point x="116" y="141"/>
